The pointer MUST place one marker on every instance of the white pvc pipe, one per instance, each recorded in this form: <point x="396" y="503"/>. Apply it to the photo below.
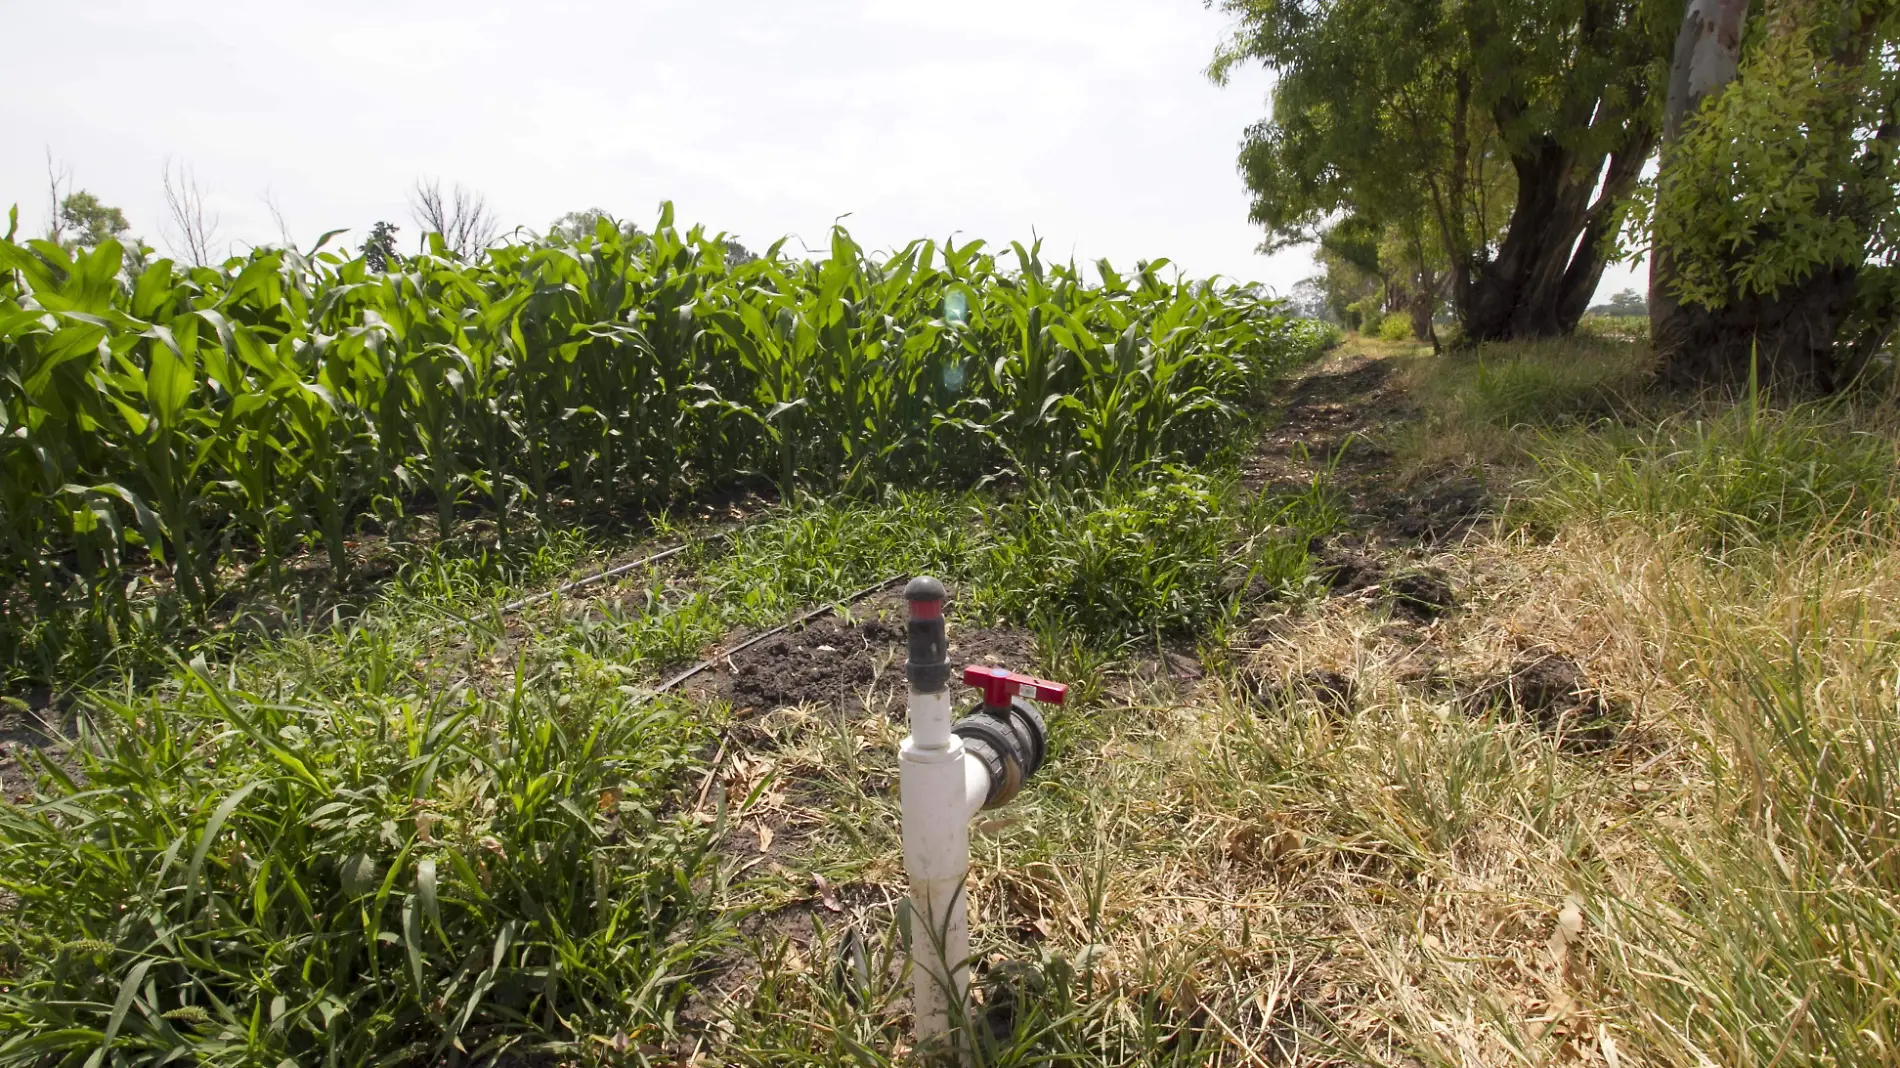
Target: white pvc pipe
<point x="930" y="719"/>
<point x="940" y="787"/>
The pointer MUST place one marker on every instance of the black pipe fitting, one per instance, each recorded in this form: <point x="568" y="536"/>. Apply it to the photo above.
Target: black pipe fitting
<point x="1011" y="741"/>
<point x="928" y="664"/>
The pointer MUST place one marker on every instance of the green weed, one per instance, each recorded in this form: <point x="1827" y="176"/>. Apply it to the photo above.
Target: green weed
<point x="240" y="878"/>
<point x="1735" y="478"/>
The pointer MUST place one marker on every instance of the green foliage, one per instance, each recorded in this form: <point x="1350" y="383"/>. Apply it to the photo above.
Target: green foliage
<point x="379" y="248"/>
<point x="1503" y="403"/>
<point x="1396" y="326"/>
<point x="1621" y="327"/>
<point x="1625" y="303"/>
<point x="577" y="226"/>
<point x="1312" y="337"/>
<point x="208" y="419"/>
<point x="236" y="879"/>
<point x="1790" y="169"/>
<point x="1352" y="280"/>
<point x="1170" y="556"/>
<point x="88" y="221"/>
<point x="1740" y="479"/>
<point x="1141" y="559"/>
<point x="1440" y="118"/>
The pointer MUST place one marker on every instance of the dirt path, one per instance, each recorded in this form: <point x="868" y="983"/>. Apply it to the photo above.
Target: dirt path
<point x="1337" y="421"/>
<point x="1402" y="545"/>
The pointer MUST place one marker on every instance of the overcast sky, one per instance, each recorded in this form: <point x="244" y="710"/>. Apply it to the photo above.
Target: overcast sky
<point x="1088" y="122"/>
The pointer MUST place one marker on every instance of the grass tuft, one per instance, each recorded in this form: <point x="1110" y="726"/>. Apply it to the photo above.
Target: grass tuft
<point x="1737" y="478"/>
<point x="250" y="878"/>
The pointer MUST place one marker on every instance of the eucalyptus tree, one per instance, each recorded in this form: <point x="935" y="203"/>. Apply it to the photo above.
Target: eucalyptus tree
<point x="1777" y="226"/>
<point x="1516" y="130"/>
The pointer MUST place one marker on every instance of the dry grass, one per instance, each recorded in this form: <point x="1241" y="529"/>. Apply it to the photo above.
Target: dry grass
<point x="1271" y="874"/>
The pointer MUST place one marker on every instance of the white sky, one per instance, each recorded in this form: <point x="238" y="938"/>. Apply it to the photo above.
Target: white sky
<point x="1086" y="121"/>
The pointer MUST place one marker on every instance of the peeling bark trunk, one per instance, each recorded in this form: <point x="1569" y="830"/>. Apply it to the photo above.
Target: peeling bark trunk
<point x="1707" y="55"/>
<point x="1786" y="339"/>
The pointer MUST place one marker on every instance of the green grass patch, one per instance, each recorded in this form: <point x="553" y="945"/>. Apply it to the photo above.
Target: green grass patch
<point x="1176" y="556"/>
<point x="228" y="877"/>
<point x="441" y="832"/>
<point x="1490" y="404"/>
<point x="1734" y="478"/>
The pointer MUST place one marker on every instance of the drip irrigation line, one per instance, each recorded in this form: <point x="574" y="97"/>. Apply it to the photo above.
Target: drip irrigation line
<point x="613" y="572"/>
<point x="780" y="629"/>
<point x="599" y="576"/>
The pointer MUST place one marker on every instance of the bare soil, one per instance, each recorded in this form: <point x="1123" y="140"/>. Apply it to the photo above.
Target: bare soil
<point x="852" y="661"/>
<point x="1333" y="421"/>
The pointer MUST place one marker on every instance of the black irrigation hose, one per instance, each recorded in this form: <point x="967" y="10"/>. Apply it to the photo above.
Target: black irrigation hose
<point x="613" y="572"/>
<point x="620" y="569"/>
<point x="599" y="576"/>
<point x="780" y="629"/>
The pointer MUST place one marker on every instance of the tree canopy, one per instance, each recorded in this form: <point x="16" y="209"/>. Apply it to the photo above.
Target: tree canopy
<point x="86" y="220"/>
<point x="1507" y="133"/>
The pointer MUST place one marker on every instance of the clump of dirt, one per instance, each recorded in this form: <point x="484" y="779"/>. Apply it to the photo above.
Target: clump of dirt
<point x="827" y="662"/>
<point x="1552" y="691"/>
<point x="1437" y="512"/>
<point x="1334" y="691"/>
<point x="1346" y="566"/>
<point x="1423" y="594"/>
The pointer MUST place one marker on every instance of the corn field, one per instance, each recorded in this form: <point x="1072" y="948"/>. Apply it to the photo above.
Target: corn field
<point x="215" y="421"/>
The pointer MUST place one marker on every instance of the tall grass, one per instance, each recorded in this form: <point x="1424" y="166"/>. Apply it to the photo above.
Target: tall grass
<point x="1490" y="404"/>
<point x="1736" y="477"/>
<point x="234" y="878"/>
<point x="1769" y="937"/>
<point x="1744" y="560"/>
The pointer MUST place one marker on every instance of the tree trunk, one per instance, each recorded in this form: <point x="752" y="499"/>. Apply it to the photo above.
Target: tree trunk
<point x="1427" y="291"/>
<point x="1421" y="308"/>
<point x="1697" y="343"/>
<point x="1785" y="340"/>
<point x="1707" y="55"/>
<point x="1557" y="243"/>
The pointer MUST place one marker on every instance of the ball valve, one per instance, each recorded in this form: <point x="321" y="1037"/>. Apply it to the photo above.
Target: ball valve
<point x="1007" y="733"/>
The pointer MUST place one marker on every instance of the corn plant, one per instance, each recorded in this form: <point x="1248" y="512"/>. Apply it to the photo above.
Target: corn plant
<point x="199" y="425"/>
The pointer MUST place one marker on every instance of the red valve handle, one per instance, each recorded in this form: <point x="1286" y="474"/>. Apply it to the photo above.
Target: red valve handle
<point x="999" y="686"/>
